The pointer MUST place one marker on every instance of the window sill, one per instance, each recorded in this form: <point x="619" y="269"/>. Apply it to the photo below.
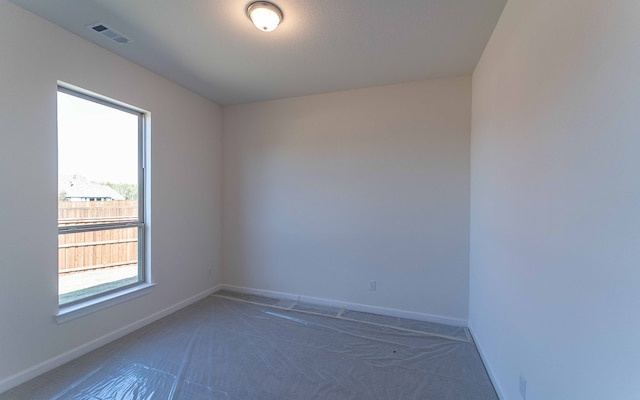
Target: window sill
<point x="69" y="313"/>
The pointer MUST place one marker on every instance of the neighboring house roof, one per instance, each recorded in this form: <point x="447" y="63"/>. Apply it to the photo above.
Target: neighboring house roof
<point x="77" y="187"/>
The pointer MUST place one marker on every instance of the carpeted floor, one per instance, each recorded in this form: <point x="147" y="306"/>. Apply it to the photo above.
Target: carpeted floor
<point x="233" y="346"/>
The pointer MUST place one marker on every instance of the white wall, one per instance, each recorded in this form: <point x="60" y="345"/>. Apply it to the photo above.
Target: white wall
<point x="324" y="193"/>
<point x="555" y="214"/>
<point x="185" y="189"/>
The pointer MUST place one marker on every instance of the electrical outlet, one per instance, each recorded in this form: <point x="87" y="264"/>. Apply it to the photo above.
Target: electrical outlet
<point x="523" y="388"/>
<point x="372" y="285"/>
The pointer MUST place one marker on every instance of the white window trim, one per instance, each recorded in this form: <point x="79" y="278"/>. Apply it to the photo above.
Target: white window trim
<point x="69" y="313"/>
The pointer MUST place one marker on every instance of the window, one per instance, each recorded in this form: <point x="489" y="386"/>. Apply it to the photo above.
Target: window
<point x="101" y="225"/>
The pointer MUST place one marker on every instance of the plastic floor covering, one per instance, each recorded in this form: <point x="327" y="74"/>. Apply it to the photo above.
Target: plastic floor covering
<point x="235" y="346"/>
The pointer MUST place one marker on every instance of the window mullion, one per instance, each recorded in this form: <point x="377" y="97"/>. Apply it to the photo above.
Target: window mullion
<point x="98" y="227"/>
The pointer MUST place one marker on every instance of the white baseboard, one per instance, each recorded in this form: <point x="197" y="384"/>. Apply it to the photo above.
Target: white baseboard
<point x="487" y="366"/>
<point x="48" y="365"/>
<point x="392" y="312"/>
<point x="217" y="288"/>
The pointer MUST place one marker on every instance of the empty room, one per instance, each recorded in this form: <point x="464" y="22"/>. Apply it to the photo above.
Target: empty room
<point x="319" y="199"/>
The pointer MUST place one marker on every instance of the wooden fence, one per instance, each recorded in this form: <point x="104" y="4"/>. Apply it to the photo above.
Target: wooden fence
<point x="98" y="249"/>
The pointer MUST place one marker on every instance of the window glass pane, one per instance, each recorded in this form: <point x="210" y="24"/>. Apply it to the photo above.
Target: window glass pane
<point x="99" y="166"/>
<point x="96" y="261"/>
<point x="97" y="154"/>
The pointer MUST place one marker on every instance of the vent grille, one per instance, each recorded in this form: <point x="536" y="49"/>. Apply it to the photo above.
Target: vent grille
<point x="108" y="32"/>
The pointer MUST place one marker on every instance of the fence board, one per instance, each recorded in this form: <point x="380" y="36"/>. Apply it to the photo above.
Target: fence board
<point x="98" y="249"/>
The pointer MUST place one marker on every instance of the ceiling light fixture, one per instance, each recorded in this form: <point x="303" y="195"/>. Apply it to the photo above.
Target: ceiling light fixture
<point x="265" y="16"/>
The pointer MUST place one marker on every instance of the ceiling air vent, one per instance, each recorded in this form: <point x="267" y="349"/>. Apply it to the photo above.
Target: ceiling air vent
<point x="109" y="33"/>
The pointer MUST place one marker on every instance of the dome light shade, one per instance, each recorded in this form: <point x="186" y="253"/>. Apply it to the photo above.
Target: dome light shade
<point x="265" y="16"/>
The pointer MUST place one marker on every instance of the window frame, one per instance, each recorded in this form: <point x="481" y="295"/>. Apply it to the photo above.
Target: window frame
<point x="142" y="283"/>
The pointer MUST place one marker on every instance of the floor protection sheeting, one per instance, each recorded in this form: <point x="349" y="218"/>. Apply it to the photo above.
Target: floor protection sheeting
<point x="240" y="347"/>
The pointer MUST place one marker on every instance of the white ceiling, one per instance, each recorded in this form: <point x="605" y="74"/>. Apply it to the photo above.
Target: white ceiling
<point x="212" y="48"/>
